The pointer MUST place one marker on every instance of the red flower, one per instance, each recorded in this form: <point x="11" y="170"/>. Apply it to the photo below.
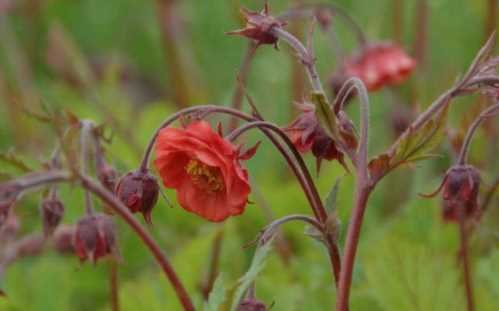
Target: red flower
<point x="259" y="26"/>
<point x="307" y="135"/>
<point x="204" y="169"/>
<point x="379" y="65"/>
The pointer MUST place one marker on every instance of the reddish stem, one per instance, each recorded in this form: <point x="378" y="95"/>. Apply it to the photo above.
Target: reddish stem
<point x="466" y="261"/>
<point x="155" y="249"/>
<point x="351" y="243"/>
<point x="113" y="286"/>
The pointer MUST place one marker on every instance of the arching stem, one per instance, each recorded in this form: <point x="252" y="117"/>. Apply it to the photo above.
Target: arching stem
<point x="489" y="112"/>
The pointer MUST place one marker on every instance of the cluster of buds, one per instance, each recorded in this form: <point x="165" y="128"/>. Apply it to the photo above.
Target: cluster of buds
<point x="259" y="26"/>
<point x="139" y="191"/>
<point x="377" y="65"/>
<point x="459" y="193"/>
<point x="95" y="237"/>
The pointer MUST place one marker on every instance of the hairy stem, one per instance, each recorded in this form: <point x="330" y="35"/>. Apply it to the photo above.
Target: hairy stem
<point x="304" y="56"/>
<point x="352" y="240"/>
<point x="490" y="111"/>
<point x="363" y="189"/>
<point x="86" y="128"/>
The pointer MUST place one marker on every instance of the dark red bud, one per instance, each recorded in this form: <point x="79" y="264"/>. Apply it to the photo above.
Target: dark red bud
<point x="94" y="237"/>
<point x="460" y="192"/>
<point x="52" y="210"/>
<point x="259" y="26"/>
<point x="251" y="305"/>
<point x="139" y="191"/>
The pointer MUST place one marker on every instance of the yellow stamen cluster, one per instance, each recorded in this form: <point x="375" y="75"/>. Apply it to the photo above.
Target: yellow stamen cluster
<point x="204" y="176"/>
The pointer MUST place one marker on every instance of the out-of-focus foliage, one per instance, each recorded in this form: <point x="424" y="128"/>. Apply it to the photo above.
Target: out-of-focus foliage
<point x="407" y="256"/>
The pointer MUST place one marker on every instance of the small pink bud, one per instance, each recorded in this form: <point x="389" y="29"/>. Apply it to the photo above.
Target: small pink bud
<point x="94" y="237"/>
<point x="52" y="210"/>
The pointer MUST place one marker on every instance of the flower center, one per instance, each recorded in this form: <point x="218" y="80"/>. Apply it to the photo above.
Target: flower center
<point x="204" y="176"/>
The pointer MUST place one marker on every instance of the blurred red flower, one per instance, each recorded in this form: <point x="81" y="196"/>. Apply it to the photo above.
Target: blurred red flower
<point x="379" y="65"/>
<point x="204" y="169"/>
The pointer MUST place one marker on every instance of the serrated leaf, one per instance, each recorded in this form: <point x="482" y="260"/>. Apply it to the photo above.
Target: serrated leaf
<point x="217" y="295"/>
<point x="325" y="114"/>
<point x="417" y="144"/>
<point x="257" y="265"/>
<point x="11" y="158"/>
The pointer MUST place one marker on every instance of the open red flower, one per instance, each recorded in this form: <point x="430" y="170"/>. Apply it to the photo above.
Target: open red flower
<point x="204" y="169"/>
<point x="379" y="65"/>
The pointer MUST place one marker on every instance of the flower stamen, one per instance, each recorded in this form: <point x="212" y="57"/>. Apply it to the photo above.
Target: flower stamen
<point x="204" y="176"/>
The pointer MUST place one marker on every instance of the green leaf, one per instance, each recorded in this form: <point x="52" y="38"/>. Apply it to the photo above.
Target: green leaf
<point x="217" y="295"/>
<point x="325" y="114"/>
<point x="256" y="267"/>
<point x="418" y="144"/>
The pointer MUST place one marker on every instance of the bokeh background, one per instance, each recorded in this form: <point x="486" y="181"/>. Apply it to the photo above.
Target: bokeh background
<point x="110" y="61"/>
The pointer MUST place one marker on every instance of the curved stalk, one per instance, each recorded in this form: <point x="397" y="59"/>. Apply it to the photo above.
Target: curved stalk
<point x="489" y="112"/>
<point x="306" y="182"/>
<point x="363" y="189"/>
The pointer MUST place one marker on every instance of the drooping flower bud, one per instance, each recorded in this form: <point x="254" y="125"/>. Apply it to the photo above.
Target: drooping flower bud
<point x="94" y="237"/>
<point x="139" y="191"/>
<point x="460" y="192"/>
<point x="259" y="26"/>
<point x="52" y="210"/>
<point x="251" y="305"/>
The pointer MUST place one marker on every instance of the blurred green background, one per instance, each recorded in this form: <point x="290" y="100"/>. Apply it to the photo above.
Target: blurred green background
<point x="105" y="60"/>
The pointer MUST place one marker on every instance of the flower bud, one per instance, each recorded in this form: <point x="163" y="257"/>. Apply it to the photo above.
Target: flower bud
<point x="251" y="305"/>
<point x="139" y="191"/>
<point x="94" y="237"/>
<point x="259" y="26"/>
<point x="460" y="192"/>
<point x="52" y="210"/>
